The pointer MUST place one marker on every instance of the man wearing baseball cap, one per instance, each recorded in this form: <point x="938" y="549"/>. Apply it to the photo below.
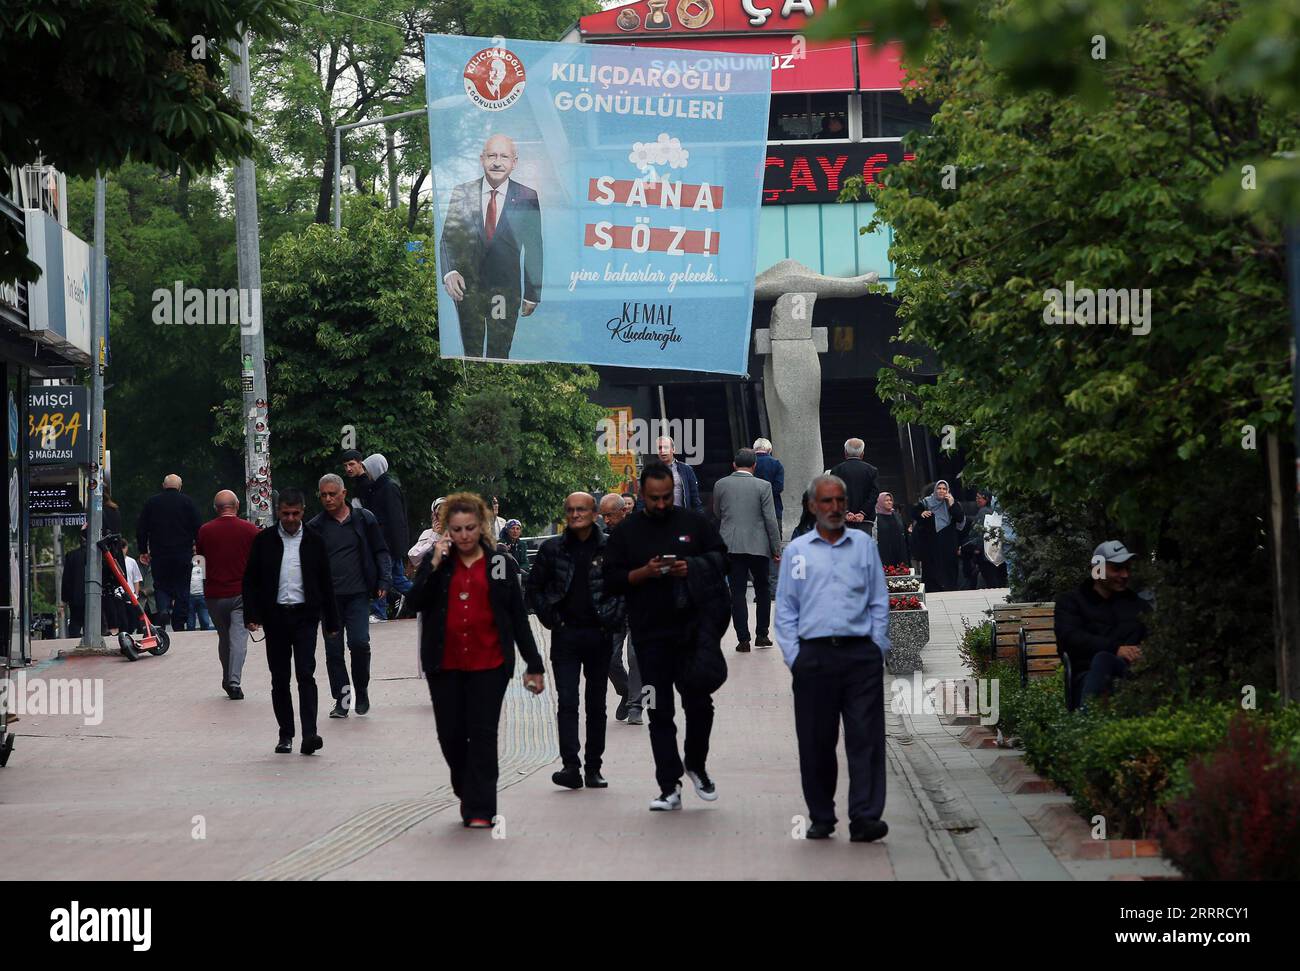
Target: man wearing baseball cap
<point x="1099" y="624"/>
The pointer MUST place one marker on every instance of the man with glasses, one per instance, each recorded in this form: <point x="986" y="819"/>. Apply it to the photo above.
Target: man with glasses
<point x="491" y="223"/>
<point x="567" y="592"/>
<point x="360" y="566"/>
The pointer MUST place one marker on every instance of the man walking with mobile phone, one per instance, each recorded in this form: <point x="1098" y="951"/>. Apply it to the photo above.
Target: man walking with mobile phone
<point x="648" y="558"/>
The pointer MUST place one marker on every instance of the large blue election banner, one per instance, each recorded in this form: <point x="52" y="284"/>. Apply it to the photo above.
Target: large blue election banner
<point x="596" y="203"/>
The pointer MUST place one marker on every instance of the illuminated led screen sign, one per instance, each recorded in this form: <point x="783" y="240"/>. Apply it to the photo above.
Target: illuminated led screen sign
<point x="812" y="173"/>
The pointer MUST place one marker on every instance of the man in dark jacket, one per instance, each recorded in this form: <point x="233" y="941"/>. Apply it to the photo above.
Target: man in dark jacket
<point x="288" y="589"/>
<point x="1100" y="624"/>
<point x="770" y="469"/>
<point x="860" y="480"/>
<point x="647" y="559"/>
<point x="354" y="476"/>
<point x="567" y="592"/>
<point x="360" y="569"/>
<point x="73" y="592"/>
<point x="164" y="535"/>
<point x="686" y="487"/>
<point x="389" y="507"/>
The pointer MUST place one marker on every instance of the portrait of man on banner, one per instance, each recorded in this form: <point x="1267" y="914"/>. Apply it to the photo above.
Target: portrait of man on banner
<point x="491" y="252"/>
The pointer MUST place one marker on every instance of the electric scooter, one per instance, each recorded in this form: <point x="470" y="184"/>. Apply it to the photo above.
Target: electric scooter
<point x="156" y="641"/>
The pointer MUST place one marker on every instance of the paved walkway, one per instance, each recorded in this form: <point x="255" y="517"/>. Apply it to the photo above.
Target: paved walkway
<point x="179" y="782"/>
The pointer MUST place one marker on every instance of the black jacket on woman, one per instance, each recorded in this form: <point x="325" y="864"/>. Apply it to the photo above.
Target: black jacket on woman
<point x="937" y="551"/>
<point x="430" y="594"/>
<point x="891" y="537"/>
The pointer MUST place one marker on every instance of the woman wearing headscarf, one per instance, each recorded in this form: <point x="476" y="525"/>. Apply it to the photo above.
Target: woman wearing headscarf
<point x="472" y="620"/>
<point x="513" y="543"/>
<point x="890" y="533"/>
<point x="938" y="519"/>
<point x="429" y="537"/>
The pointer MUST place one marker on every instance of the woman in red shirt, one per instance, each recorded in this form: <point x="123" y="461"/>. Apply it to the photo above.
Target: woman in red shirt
<point x="472" y="619"/>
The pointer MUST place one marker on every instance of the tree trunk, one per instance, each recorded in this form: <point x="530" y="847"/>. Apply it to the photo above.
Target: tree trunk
<point x="390" y="151"/>
<point x="1284" y="563"/>
<point x="413" y="205"/>
<point x="325" y="195"/>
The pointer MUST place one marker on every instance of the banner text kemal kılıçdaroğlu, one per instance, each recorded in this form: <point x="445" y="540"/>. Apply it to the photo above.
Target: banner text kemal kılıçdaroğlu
<point x="596" y="203"/>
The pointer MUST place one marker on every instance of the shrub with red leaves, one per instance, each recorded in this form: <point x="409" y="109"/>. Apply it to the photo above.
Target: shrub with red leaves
<point x="1241" y="818"/>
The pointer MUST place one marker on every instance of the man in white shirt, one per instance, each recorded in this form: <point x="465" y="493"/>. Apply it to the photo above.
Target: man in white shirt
<point x="288" y="588"/>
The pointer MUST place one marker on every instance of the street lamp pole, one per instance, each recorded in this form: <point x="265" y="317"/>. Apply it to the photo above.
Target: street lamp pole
<point x="92" y="641"/>
<point x="338" y="153"/>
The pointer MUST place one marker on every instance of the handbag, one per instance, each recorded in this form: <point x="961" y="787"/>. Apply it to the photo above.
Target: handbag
<point x="993" y="543"/>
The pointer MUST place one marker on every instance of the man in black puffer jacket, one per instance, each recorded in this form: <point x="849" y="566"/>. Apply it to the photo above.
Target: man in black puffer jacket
<point x="1100" y="623"/>
<point x="567" y="591"/>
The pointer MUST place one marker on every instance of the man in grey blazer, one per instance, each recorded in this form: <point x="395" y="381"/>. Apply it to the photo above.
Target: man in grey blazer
<point x="744" y="504"/>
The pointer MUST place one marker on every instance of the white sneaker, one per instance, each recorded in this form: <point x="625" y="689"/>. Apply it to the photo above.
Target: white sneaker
<point x="704" y="787"/>
<point x="378" y="620"/>
<point x="667" y="801"/>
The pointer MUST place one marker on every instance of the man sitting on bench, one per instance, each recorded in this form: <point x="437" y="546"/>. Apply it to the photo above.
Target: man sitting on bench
<point x="1099" y="623"/>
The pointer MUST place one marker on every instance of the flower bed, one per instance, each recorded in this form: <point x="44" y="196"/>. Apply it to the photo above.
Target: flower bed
<point x="899" y="570"/>
<point x="905" y="603"/>
<point x="903" y="585"/>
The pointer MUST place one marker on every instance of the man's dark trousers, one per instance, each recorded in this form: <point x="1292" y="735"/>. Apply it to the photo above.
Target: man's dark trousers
<point x="744" y="566"/>
<point x="467" y="712"/>
<point x="581" y="652"/>
<point x="291" y="643"/>
<point x="354" y="612"/>
<point x="834" y="682"/>
<point x="657" y="657"/>
<point x="1104" y="669"/>
<point x="171" y="586"/>
<point x="480" y="318"/>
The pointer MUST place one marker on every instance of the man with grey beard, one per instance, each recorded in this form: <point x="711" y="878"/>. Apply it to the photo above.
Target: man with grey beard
<point x="832" y="619"/>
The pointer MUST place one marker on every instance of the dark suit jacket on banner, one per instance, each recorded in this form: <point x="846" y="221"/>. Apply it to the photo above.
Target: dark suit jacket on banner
<point x="492" y="268"/>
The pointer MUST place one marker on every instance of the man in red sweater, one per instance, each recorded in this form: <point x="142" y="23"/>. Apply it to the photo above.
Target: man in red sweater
<point x="223" y="546"/>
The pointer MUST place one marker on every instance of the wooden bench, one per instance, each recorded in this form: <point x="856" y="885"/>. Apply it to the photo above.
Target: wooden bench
<point x="1025" y="634"/>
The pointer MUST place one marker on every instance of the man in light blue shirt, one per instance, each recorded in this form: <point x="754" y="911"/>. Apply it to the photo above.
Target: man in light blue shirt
<point x="832" y="619"/>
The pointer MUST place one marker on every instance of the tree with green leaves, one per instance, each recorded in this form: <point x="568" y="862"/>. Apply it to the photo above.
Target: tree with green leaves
<point x="92" y="84"/>
<point x="1017" y="194"/>
<point x="362" y="59"/>
<point x="163" y="381"/>
<point x="352" y="362"/>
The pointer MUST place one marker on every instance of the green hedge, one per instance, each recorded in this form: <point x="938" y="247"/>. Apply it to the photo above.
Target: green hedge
<point x="1123" y="768"/>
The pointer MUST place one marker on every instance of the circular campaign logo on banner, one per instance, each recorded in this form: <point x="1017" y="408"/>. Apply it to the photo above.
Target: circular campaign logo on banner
<point x="494" y="79"/>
